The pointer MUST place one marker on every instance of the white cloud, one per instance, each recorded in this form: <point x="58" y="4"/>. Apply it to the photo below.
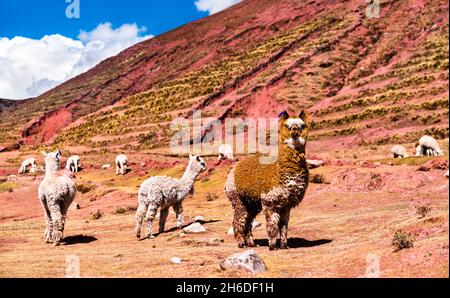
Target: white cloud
<point x="214" y="6"/>
<point x="29" y="67"/>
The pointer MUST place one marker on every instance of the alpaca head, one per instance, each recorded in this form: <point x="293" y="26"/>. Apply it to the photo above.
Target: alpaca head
<point x="293" y="131"/>
<point x="52" y="160"/>
<point x="196" y="163"/>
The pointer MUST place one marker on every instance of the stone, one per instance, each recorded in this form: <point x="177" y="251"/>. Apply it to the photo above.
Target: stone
<point x="255" y="224"/>
<point x="105" y="167"/>
<point x="12" y="179"/>
<point x="248" y="261"/>
<point x="312" y="163"/>
<point x="446" y="174"/>
<point x="195" y="228"/>
<point x="75" y="206"/>
<point x="199" y="218"/>
<point x="230" y="231"/>
<point x="176" y="260"/>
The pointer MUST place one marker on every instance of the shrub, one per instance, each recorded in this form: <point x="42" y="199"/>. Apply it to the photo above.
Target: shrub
<point x="402" y="240"/>
<point x="85" y="188"/>
<point x="96" y="215"/>
<point x="318" y="179"/>
<point x="124" y="210"/>
<point x="423" y="210"/>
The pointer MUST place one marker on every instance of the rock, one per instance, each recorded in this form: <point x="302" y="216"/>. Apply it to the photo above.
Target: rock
<point x="194" y="228"/>
<point x="105" y="167"/>
<point x="230" y="231"/>
<point x="75" y="206"/>
<point x="248" y="261"/>
<point x="424" y="168"/>
<point x="12" y="179"/>
<point x="446" y="174"/>
<point x="176" y="260"/>
<point x="199" y="218"/>
<point x="255" y="224"/>
<point x="312" y="163"/>
<point x="182" y="234"/>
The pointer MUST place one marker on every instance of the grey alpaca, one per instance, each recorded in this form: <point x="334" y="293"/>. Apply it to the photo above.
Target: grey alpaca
<point x="164" y="192"/>
<point x="56" y="193"/>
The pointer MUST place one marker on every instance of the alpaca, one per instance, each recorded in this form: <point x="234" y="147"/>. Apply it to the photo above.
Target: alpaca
<point x="121" y="164"/>
<point x="225" y="152"/>
<point x="30" y="162"/>
<point x="56" y="193"/>
<point x="274" y="188"/>
<point x="428" y="146"/>
<point x="73" y="164"/>
<point x="399" y="151"/>
<point x="164" y="192"/>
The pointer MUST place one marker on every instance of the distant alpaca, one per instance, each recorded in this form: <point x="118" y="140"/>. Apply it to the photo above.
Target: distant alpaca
<point x="276" y="188"/>
<point x="121" y="164"/>
<point x="56" y="193"/>
<point x="225" y="152"/>
<point x="428" y="146"/>
<point x="30" y="162"/>
<point x="164" y="192"/>
<point x="73" y="164"/>
<point x="399" y="151"/>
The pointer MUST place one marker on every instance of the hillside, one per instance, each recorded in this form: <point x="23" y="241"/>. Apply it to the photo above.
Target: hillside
<point x="365" y="81"/>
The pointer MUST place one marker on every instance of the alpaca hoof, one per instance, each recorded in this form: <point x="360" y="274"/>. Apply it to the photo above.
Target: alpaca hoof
<point x="272" y="248"/>
<point x="151" y="237"/>
<point x="56" y="244"/>
<point x="284" y="246"/>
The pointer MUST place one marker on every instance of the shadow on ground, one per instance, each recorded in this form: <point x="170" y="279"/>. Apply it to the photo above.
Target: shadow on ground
<point x="78" y="239"/>
<point x="296" y="242"/>
<point x="181" y="228"/>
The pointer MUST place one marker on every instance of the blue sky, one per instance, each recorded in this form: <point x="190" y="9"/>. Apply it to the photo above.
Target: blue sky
<point x="40" y="47"/>
<point x="36" y="18"/>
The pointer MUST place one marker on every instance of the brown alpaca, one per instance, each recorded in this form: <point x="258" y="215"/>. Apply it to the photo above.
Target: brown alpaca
<point x="275" y="188"/>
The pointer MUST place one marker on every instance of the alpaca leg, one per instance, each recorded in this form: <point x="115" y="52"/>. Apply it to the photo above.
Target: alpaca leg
<point x="149" y="217"/>
<point x="240" y="223"/>
<point x="178" y="208"/>
<point x="162" y="219"/>
<point x="117" y="169"/>
<point x="58" y="223"/>
<point x="284" y="220"/>
<point x="140" y="214"/>
<point x="272" y="223"/>
<point x="248" y="231"/>
<point x="48" y="222"/>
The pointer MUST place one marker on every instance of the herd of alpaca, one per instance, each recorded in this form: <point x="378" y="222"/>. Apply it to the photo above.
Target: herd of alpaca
<point x="274" y="188"/>
<point x="427" y="146"/>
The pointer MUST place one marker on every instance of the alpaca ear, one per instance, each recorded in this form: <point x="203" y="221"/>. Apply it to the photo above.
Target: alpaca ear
<point x="283" y="115"/>
<point x="198" y="158"/>
<point x="303" y="116"/>
<point x="58" y="154"/>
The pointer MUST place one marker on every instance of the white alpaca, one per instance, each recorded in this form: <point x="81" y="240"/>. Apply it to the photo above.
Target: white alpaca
<point x="399" y="151"/>
<point x="121" y="164"/>
<point x="56" y="193"/>
<point x="73" y="164"/>
<point x="428" y="146"/>
<point x="30" y="162"/>
<point x="164" y="192"/>
<point x="225" y="152"/>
